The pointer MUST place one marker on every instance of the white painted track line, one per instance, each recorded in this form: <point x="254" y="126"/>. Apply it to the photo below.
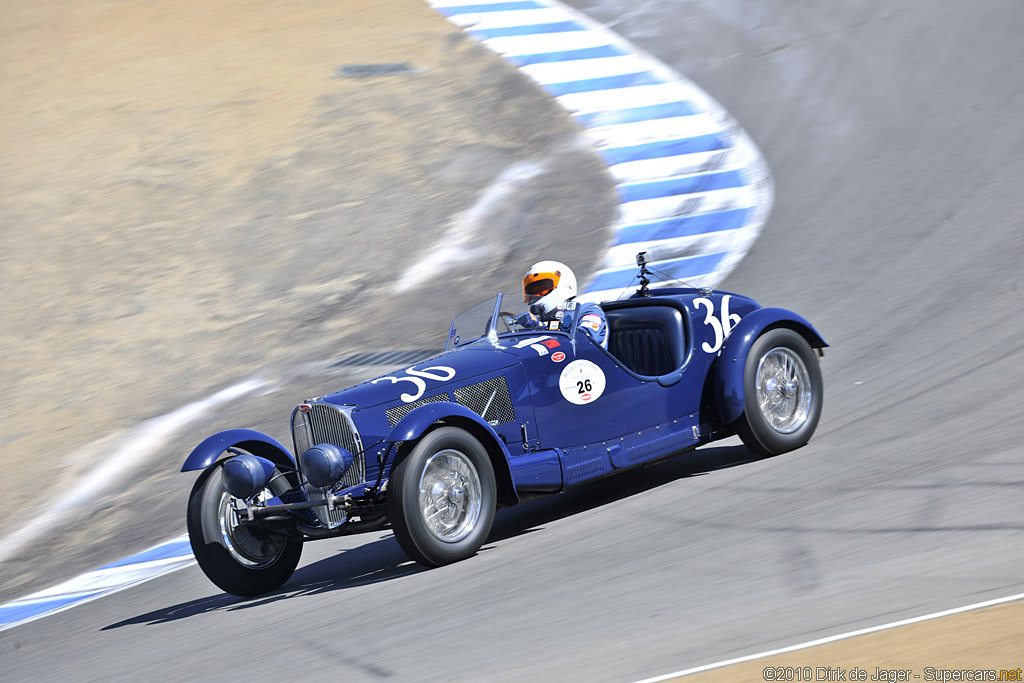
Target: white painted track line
<point x="833" y="639"/>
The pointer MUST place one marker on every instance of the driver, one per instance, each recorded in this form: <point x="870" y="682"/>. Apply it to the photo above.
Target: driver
<point x="549" y="287"/>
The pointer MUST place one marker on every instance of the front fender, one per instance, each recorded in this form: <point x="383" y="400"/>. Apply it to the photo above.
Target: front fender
<point x="413" y="425"/>
<point x="416" y="423"/>
<point x="728" y="379"/>
<point x="249" y="440"/>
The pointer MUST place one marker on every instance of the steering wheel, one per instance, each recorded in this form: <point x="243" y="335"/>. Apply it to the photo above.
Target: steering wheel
<point x="509" y="319"/>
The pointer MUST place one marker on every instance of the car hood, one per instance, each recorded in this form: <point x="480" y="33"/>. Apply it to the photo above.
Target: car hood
<point x="427" y="377"/>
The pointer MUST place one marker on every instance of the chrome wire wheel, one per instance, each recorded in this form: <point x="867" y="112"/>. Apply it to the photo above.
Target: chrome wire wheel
<point x="252" y="548"/>
<point x="450" y="495"/>
<point x="441" y="497"/>
<point x="782" y="393"/>
<point x="784" y="390"/>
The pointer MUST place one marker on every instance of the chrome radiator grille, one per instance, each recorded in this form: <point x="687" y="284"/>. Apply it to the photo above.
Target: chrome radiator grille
<point x="326" y="423"/>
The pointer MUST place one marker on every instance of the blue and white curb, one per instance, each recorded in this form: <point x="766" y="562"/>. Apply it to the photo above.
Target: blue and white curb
<point x="157" y="561"/>
<point x="693" y="189"/>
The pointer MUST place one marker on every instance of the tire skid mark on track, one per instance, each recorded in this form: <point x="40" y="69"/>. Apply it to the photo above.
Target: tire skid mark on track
<point x="684" y="168"/>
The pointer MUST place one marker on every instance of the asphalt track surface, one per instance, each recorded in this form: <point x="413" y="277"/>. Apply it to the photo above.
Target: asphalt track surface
<point x="892" y="131"/>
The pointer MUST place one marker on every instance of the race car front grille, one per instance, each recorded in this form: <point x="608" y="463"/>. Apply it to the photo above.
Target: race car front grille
<point x="326" y="423"/>
<point x="398" y="412"/>
<point x="488" y="399"/>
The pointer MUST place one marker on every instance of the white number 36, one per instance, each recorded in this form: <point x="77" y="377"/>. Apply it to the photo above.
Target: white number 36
<point x="721" y="325"/>
<point x="441" y="373"/>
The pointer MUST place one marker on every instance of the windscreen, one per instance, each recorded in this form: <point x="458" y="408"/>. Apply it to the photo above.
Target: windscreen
<point x="513" y="316"/>
<point x="473" y="324"/>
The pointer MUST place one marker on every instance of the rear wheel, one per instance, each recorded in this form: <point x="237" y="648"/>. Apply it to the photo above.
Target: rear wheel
<point x="782" y="391"/>
<point x="442" y="497"/>
<point x="241" y="559"/>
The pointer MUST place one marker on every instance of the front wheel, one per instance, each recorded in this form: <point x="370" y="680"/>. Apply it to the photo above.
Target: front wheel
<point x="442" y="497"/>
<point x="241" y="559"/>
<point x="782" y="390"/>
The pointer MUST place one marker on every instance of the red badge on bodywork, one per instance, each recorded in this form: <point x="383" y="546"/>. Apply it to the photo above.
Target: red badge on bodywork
<point x="551" y="343"/>
<point x="558" y="356"/>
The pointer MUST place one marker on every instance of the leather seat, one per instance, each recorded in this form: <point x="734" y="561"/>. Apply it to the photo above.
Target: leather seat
<point x="649" y="340"/>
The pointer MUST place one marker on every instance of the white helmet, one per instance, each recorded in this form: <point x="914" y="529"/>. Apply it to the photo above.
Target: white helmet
<point x="547" y="286"/>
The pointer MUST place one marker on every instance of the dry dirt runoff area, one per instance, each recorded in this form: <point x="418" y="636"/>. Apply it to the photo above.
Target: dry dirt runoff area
<point x="193" y="193"/>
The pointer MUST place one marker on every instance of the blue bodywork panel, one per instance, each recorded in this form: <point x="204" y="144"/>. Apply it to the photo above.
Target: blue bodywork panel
<point x="257" y="443"/>
<point x="538" y="471"/>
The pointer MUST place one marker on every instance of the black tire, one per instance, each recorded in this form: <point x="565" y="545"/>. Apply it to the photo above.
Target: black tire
<point x="242" y="560"/>
<point x="450" y="467"/>
<point x="782" y="392"/>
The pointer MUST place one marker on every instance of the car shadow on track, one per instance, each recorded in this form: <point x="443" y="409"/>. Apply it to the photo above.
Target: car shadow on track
<point x="371" y="562"/>
<point x="383" y="560"/>
<point x="532" y="515"/>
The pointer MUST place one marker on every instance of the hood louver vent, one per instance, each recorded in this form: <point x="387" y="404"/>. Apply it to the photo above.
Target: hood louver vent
<point x="398" y="412"/>
<point x="489" y="399"/>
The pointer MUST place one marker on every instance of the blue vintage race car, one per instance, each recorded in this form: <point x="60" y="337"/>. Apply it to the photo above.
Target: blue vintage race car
<point x="433" y="449"/>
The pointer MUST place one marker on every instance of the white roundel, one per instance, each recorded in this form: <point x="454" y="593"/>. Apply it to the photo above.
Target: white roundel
<point x="581" y="382"/>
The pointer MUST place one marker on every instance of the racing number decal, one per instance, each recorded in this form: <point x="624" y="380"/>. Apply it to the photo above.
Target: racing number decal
<point x="721" y="326"/>
<point x="581" y="382"/>
<point x="443" y="374"/>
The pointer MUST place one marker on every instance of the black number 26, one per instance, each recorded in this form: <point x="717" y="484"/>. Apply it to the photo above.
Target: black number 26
<point x="584" y="385"/>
